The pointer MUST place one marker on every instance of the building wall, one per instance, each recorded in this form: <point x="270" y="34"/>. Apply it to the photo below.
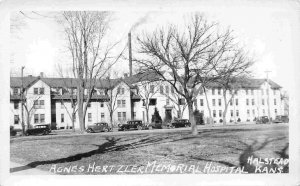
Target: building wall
<point x="38" y="110"/>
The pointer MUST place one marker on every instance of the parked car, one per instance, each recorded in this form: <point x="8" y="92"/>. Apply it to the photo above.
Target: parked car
<point x="262" y="120"/>
<point x="133" y="124"/>
<point x="39" y="129"/>
<point x="281" y="119"/>
<point x="98" y="127"/>
<point x="180" y="123"/>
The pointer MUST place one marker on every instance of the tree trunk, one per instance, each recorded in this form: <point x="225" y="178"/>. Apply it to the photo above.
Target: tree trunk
<point x="73" y="125"/>
<point x="191" y="118"/>
<point x="225" y="108"/>
<point x="147" y="114"/>
<point x="208" y="107"/>
<point x="80" y="96"/>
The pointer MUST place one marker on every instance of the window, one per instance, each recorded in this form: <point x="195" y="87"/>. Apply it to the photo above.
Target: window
<point x="42" y="103"/>
<point x="134" y="115"/>
<point x="167" y="101"/>
<point x="123" y="103"/>
<point x="263" y="102"/>
<point x="15" y="91"/>
<point x="124" y="115"/>
<point x="35" y="103"/>
<point x="231" y="113"/>
<point x="213" y="91"/>
<point x="35" y="91"/>
<point x="161" y="89"/>
<point x="152" y="101"/>
<point x="101" y="104"/>
<point x="42" y="91"/>
<point x="247" y="101"/>
<point x="42" y="118"/>
<point x="248" y="113"/>
<point x="181" y="101"/>
<point x="220" y="113"/>
<point x="252" y="92"/>
<point x="16" y="119"/>
<point x="89" y="117"/>
<point x="89" y="104"/>
<point x="122" y="91"/>
<point x="220" y="102"/>
<point x="172" y="90"/>
<point x="237" y="112"/>
<point x="118" y="103"/>
<point x="62" y="118"/>
<point x="201" y="102"/>
<point x="16" y="105"/>
<point x="274" y="101"/>
<point x="214" y="113"/>
<point x="167" y="89"/>
<point x="102" y="116"/>
<point x="246" y="91"/>
<point x="120" y="116"/>
<point x="275" y="112"/>
<point x="219" y="91"/>
<point x="230" y="102"/>
<point x="119" y="90"/>
<point x="214" y="102"/>
<point x="236" y="102"/>
<point x="201" y="91"/>
<point x="36" y="118"/>
<point x="151" y="88"/>
<point x="253" y="102"/>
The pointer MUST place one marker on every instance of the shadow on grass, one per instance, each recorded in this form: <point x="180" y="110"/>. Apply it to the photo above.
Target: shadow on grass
<point x="150" y="139"/>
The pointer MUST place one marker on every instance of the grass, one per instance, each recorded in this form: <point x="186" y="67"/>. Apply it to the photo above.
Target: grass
<point x="224" y="147"/>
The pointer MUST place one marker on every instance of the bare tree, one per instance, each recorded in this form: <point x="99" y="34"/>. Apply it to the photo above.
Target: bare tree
<point x="175" y="98"/>
<point x="114" y="96"/>
<point x="189" y="55"/>
<point x="147" y="90"/>
<point x="234" y="70"/>
<point x="91" y="55"/>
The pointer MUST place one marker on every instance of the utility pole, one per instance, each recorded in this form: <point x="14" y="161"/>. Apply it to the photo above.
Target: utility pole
<point x="268" y="94"/>
<point x="22" y="101"/>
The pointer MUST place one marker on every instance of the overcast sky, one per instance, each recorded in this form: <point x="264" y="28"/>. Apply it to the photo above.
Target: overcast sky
<point x="39" y="43"/>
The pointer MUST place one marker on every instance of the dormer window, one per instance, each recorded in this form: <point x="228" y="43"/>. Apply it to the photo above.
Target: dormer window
<point x="15" y="91"/>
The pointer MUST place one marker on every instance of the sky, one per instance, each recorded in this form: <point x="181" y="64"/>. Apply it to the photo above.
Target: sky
<point x="39" y="43"/>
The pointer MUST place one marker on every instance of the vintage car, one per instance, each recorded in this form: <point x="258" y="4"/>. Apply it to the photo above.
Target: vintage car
<point x="281" y="119"/>
<point x="98" y="127"/>
<point x="180" y="123"/>
<point x="133" y="124"/>
<point x="262" y="120"/>
<point x="43" y="129"/>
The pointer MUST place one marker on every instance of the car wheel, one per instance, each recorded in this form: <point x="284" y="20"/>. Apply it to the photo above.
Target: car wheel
<point x="105" y="130"/>
<point x="46" y="132"/>
<point x="26" y="134"/>
<point x="89" y="130"/>
<point x="139" y="127"/>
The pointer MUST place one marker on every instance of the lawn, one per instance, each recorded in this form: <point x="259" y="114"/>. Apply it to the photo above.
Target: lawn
<point x="216" y="150"/>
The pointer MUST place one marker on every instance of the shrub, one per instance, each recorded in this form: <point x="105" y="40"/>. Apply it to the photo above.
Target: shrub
<point x="221" y="121"/>
<point x="239" y="120"/>
<point x="198" y="117"/>
<point x="156" y="117"/>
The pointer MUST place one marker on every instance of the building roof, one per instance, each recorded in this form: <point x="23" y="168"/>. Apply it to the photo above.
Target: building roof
<point x="27" y="81"/>
<point x="130" y="81"/>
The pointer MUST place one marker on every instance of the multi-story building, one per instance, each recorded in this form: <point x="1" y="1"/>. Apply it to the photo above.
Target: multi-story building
<point x="53" y="100"/>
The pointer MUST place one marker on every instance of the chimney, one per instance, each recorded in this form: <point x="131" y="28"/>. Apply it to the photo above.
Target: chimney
<point x="41" y="74"/>
<point x="130" y="54"/>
